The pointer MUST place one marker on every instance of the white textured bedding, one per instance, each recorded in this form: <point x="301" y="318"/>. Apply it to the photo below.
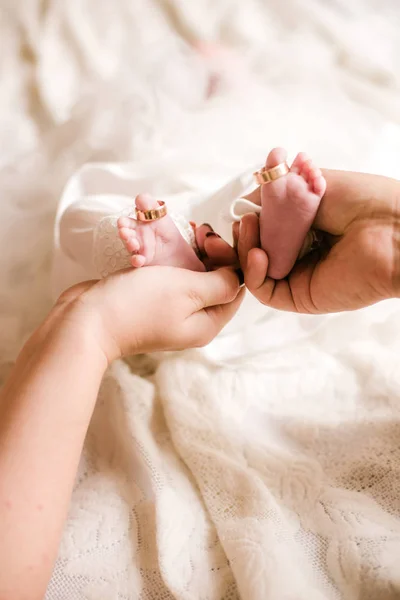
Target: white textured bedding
<point x="272" y="475"/>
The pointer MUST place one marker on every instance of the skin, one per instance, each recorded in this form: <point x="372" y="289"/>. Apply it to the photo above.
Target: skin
<point x="360" y="262"/>
<point x="289" y="206"/>
<point x="156" y="242"/>
<point x="48" y="400"/>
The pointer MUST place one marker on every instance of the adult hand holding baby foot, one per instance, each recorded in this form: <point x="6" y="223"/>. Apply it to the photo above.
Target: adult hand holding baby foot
<point x="153" y="309"/>
<point x="289" y="200"/>
<point x="359" y="265"/>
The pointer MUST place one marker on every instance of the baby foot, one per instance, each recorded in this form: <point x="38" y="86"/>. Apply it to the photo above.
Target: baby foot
<point x="156" y="242"/>
<point x="288" y="208"/>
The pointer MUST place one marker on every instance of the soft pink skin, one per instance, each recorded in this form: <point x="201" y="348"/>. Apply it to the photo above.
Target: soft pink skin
<point x="160" y="243"/>
<point x="156" y="242"/>
<point x="289" y="206"/>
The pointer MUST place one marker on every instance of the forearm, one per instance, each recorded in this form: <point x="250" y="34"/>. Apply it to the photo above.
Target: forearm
<point x="45" y="409"/>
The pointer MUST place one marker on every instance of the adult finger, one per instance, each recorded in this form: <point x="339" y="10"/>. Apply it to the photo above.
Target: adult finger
<point x="211" y="288"/>
<point x="249" y="237"/>
<point x="255" y="273"/>
<point x="205" y="324"/>
<point x="219" y="252"/>
<point x="235" y="233"/>
<point x="276" y="294"/>
<point x="292" y="294"/>
<point x="201" y="233"/>
<point x="267" y="291"/>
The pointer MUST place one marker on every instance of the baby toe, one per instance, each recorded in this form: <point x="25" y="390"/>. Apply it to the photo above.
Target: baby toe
<point x="133" y="245"/>
<point x="126" y="223"/>
<point x="145" y="202"/>
<point x="315" y="172"/>
<point x="306" y="169"/>
<point x="276" y="157"/>
<point x="319" y="185"/>
<point x="313" y="175"/>
<point x="298" y="162"/>
<point x="137" y="261"/>
<point x="125" y="233"/>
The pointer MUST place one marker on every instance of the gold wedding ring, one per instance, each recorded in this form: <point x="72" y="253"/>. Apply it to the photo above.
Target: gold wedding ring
<point x="153" y="214"/>
<point x="268" y="175"/>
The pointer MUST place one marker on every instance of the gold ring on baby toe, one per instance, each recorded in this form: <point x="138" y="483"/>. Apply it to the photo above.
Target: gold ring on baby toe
<point x="153" y="214"/>
<point x="267" y="175"/>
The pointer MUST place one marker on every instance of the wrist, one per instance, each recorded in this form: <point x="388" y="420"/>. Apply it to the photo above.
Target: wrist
<point x="95" y="323"/>
<point x="69" y="326"/>
<point x="100" y="307"/>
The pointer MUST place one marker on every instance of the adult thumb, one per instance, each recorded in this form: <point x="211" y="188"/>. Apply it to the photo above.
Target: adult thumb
<point x="214" y="288"/>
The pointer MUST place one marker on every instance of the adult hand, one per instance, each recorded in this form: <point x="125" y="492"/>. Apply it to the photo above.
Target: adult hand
<point x="47" y="403"/>
<point x="360" y="263"/>
<point x="214" y="251"/>
<point x="154" y="309"/>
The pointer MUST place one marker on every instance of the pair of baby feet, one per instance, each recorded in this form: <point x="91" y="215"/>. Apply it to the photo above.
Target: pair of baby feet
<point x="288" y="208"/>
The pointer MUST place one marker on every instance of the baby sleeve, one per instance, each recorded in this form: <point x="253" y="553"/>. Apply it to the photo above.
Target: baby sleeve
<point x="89" y="234"/>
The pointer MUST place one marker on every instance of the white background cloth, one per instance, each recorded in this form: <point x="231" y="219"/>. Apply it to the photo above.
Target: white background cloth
<point x="273" y="474"/>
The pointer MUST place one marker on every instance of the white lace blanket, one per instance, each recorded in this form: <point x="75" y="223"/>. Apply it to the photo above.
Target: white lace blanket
<point x="277" y="476"/>
<point x="274" y="474"/>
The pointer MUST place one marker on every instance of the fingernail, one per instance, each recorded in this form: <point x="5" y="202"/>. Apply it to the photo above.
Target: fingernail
<point x="240" y="276"/>
<point x="208" y="225"/>
<point x="212" y="234"/>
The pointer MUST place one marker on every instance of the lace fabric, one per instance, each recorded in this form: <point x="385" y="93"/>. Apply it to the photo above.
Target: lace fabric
<point x="109" y="251"/>
<point x="206" y="481"/>
<point x="152" y="537"/>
